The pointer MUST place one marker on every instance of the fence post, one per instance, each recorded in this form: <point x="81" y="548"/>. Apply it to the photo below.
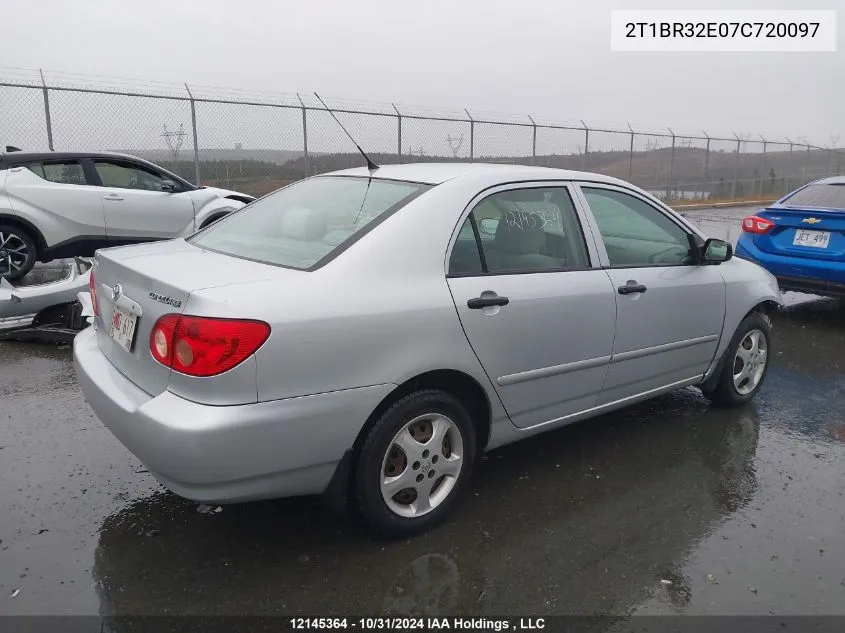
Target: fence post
<point x="671" y="166"/>
<point x="47" y="111"/>
<point x="707" y="161"/>
<point x="304" y="135"/>
<point x="471" y="135"/>
<point x="533" y="140"/>
<point x="786" y="188"/>
<point x="586" y="143"/>
<point x="806" y="163"/>
<point x="762" y="166"/>
<point x="196" y="145"/>
<point x="830" y="161"/>
<point x="631" y="155"/>
<point x="398" y="132"/>
<point x="736" y="167"/>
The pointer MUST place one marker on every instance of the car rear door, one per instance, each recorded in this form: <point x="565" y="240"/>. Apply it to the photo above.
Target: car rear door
<point x="58" y="197"/>
<point x="536" y="307"/>
<point x="670" y="310"/>
<point x="136" y="207"/>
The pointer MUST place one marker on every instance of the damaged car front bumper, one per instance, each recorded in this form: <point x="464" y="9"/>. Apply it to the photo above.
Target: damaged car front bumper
<point x="53" y="311"/>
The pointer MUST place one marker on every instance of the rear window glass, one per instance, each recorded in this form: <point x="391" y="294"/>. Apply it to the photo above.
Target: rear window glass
<point x="820" y="196"/>
<point x="309" y="221"/>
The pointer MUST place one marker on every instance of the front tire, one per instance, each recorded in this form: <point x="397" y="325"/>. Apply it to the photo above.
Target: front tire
<point x="17" y="252"/>
<point x="746" y="363"/>
<point x="414" y="463"/>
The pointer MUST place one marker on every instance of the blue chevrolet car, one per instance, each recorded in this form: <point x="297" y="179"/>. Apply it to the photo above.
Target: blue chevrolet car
<point x="800" y="239"/>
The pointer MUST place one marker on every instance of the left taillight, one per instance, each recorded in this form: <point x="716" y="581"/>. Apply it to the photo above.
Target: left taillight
<point x="205" y="346"/>
<point x="757" y="225"/>
<point x="92" y="290"/>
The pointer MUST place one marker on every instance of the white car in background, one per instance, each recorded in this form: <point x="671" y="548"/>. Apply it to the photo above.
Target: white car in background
<point x="63" y="204"/>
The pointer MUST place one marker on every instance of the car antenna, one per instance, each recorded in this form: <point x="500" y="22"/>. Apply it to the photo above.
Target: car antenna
<point x="370" y="164"/>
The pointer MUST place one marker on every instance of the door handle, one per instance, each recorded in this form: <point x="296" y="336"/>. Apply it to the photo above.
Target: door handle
<point x="487" y="302"/>
<point x="631" y="287"/>
<point x="112" y="196"/>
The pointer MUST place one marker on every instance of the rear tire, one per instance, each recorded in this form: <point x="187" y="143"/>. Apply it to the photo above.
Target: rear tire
<point x="18" y="253"/>
<point x="414" y="464"/>
<point x="746" y="363"/>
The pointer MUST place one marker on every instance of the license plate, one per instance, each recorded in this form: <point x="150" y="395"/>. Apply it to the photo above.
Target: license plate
<point x="816" y="239"/>
<point x="123" y="328"/>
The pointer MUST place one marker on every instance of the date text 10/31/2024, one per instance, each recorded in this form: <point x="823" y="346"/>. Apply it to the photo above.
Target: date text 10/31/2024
<point x="420" y="624"/>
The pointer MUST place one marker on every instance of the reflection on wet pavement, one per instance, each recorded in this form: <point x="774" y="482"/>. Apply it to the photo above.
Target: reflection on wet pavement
<point x="667" y="507"/>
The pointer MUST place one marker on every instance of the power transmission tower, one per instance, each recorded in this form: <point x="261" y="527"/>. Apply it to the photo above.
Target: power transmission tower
<point x="455" y="144"/>
<point x="174" y="140"/>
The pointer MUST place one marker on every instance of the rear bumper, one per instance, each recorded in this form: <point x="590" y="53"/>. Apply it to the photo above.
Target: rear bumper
<point x="799" y="274"/>
<point x="221" y="454"/>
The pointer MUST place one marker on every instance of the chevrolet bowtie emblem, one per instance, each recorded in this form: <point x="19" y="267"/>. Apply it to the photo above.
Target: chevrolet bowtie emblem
<point x="811" y="220"/>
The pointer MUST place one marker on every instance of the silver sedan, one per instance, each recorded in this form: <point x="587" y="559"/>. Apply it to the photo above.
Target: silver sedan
<point x="366" y="335"/>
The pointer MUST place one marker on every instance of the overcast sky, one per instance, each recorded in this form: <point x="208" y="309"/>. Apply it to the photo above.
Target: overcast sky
<point x="547" y="57"/>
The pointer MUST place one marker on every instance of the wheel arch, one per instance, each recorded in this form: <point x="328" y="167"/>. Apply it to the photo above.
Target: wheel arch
<point x="213" y="217"/>
<point x="29" y="227"/>
<point x="454" y="382"/>
<point x="457" y="383"/>
<point x="766" y="307"/>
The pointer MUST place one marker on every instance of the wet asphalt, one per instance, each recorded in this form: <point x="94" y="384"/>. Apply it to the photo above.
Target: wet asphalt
<point x="667" y="507"/>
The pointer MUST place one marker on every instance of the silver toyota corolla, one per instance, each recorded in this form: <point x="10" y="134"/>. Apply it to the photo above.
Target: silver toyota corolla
<point x="367" y="334"/>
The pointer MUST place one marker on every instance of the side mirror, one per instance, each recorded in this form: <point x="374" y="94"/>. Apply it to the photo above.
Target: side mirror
<point x="168" y="185"/>
<point x="716" y="251"/>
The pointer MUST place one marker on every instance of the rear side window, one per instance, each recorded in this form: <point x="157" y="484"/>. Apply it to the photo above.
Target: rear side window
<point x="818" y="196"/>
<point x="308" y="222"/>
<point x="63" y="173"/>
<point x="521" y="230"/>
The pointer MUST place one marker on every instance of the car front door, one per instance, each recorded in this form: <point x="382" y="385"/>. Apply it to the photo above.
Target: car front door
<point x="536" y="307"/>
<point x="60" y="198"/>
<point x="670" y="309"/>
<point x="136" y="207"/>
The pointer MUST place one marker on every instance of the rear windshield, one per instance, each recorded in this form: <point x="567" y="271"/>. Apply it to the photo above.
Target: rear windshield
<point x="818" y="196"/>
<point x="309" y="222"/>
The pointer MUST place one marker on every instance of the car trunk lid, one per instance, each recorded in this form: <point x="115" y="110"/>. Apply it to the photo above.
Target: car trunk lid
<point x="803" y="232"/>
<point x="157" y="279"/>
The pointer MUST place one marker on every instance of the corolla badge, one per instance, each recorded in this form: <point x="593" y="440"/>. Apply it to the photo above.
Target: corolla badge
<point x="176" y="303"/>
<point x="116" y="291"/>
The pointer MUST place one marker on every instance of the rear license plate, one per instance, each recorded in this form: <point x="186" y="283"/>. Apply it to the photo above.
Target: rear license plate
<point x="123" y="328"/>
<point x="816" y="239"/>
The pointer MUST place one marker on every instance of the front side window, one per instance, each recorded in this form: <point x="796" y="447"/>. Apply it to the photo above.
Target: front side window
<point x="63" y="173"/>
<point x="521" y="230"/>
<point x="128" y="176"/>
<point x="635" y="233"/>
<point x="307" y="222"/>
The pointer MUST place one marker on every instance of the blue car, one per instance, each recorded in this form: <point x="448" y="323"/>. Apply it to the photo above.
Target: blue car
<point x="800" y="239"/>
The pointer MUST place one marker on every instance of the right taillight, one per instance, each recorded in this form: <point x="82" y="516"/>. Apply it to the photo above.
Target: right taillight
<point x="92" y="290"/>
<point x="756" y="224"/>
<point x="205" y="346"/>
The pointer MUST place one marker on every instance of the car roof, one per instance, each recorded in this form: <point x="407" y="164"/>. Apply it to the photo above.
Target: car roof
<point x="832" y="180"/>
<point x="25" y="157"/>
<point x="435" y="173"/>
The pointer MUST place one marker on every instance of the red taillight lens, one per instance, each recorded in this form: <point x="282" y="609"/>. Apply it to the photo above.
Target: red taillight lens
<point x="756" y="224"/>
<point x="92" y="290"/>
<point x="202" y="346"/>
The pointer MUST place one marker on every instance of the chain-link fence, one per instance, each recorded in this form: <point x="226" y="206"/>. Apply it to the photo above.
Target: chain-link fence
<point x="256" y="144"/>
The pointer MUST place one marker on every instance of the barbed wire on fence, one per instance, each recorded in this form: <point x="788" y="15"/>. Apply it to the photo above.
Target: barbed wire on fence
<point x="258" y="141"/>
